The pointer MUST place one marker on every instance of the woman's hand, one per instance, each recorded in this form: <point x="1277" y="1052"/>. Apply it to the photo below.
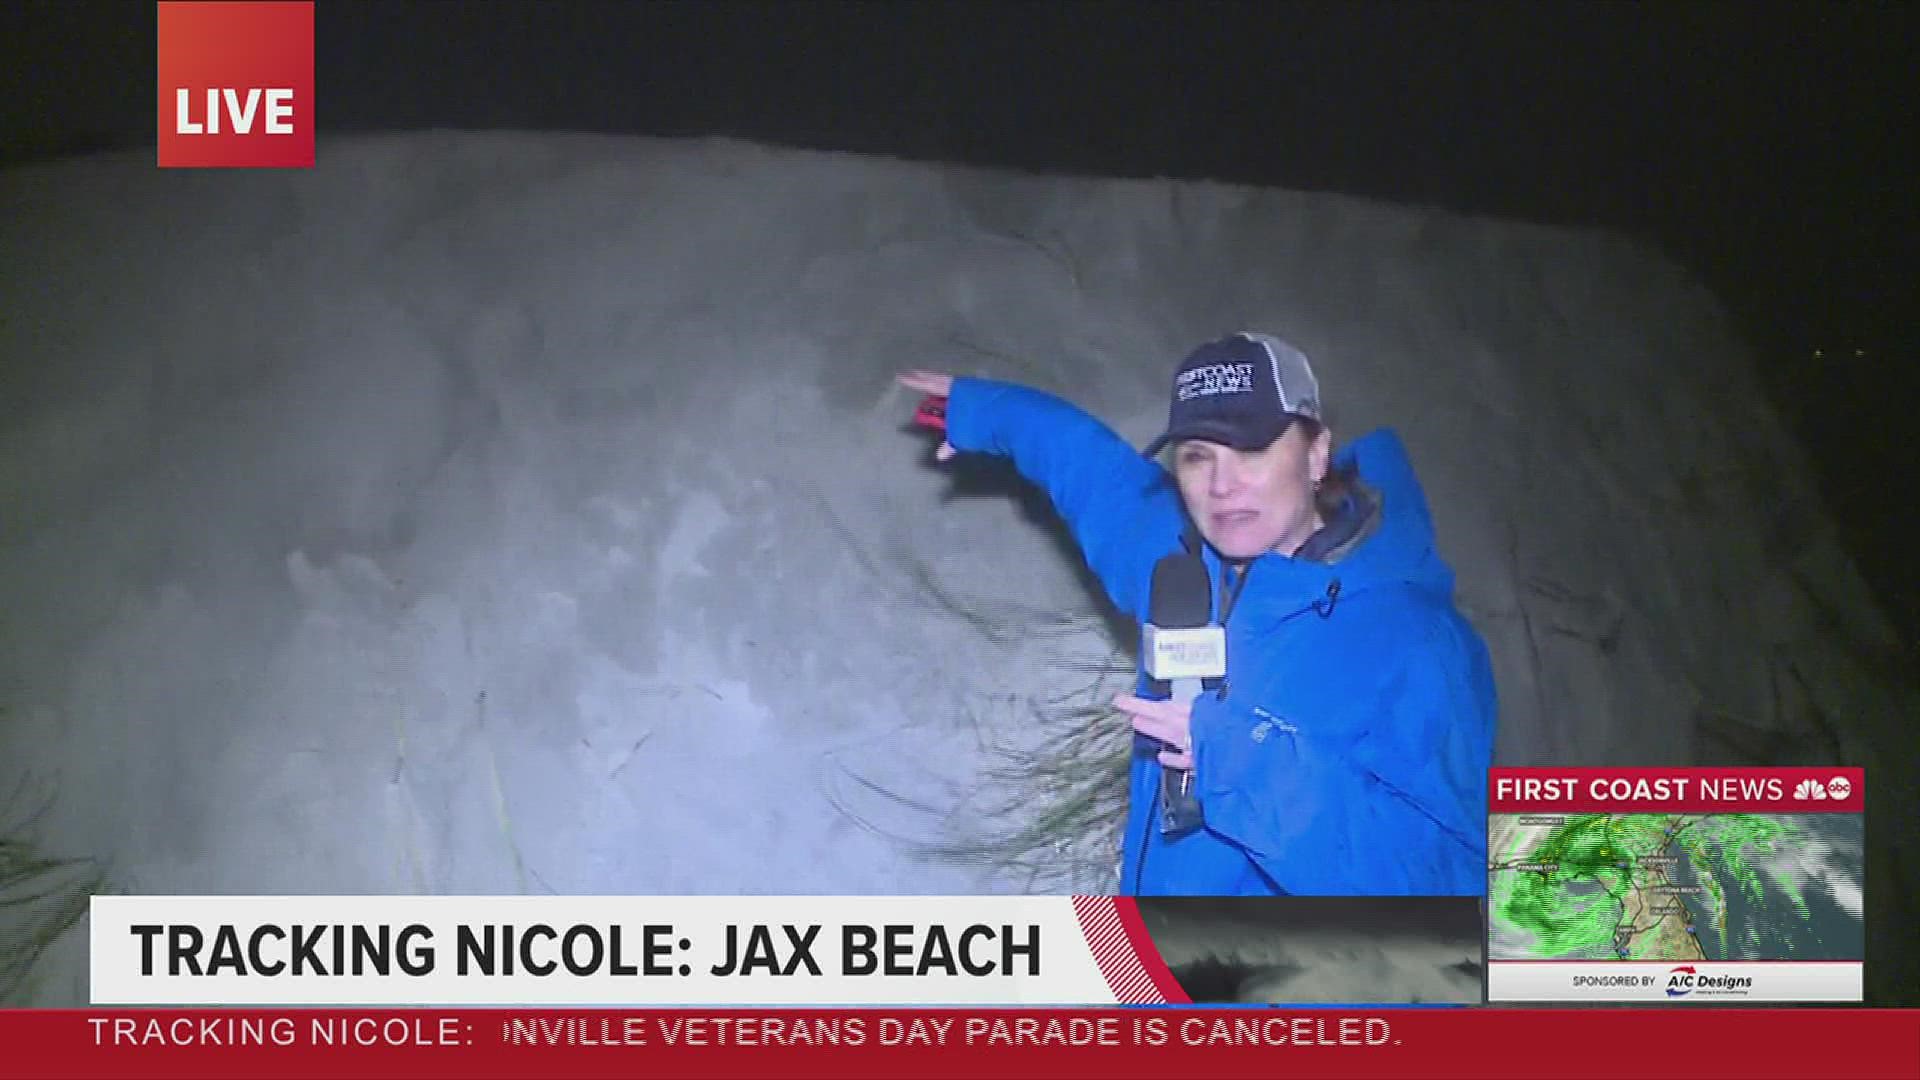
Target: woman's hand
<point x="1171" y="722"/>
<point x="937" y="384"/>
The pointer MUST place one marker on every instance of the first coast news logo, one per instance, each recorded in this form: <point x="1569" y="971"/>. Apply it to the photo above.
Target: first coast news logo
<point x="236" y="84"/>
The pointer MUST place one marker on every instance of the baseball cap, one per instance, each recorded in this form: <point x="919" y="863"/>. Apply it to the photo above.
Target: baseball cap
<point x="1243" y="390"/>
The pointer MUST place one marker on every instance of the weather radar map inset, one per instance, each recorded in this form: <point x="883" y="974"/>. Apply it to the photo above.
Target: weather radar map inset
<point x="1673" y="885"/>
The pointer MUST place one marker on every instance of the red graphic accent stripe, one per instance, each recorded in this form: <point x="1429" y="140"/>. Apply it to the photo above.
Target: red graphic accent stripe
<point x="1115" y="948"/>
<point x="1149" y="953"/>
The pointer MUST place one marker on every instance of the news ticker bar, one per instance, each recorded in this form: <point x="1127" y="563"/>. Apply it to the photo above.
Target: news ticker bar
<point x="1114" y="1043"/>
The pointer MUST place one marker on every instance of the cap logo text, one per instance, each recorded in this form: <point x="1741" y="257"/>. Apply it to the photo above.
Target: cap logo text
<point x="1235" y="378"/>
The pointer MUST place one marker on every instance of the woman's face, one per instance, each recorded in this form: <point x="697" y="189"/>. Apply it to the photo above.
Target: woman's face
<point x="1249" y="502"/>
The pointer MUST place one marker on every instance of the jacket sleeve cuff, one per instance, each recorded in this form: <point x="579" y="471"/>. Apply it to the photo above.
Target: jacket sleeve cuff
<point x="971" y="420"/>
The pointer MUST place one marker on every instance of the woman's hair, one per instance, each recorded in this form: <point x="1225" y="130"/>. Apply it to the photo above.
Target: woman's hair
<point x="1330" y="496"/>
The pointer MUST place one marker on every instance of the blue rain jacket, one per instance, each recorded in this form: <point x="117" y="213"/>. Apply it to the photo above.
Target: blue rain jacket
<point x="1347" y="752"/>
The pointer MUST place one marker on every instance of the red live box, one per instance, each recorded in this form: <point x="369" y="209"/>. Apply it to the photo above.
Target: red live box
<point x="236" y="85"/>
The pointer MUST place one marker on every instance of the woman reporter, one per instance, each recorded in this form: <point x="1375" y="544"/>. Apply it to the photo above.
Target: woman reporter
<point x="1345" y="750"/>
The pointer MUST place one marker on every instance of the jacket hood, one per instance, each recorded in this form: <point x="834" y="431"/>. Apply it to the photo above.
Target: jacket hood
<point x="1400" y="549"/>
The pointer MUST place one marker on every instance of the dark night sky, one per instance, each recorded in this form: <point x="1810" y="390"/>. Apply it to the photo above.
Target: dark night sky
<point x="1759" y="144"/>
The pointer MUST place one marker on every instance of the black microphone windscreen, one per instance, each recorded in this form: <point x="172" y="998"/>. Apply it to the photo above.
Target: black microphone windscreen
<point x="1182" y="596"/>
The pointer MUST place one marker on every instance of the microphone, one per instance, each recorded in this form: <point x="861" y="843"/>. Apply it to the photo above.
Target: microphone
<point x="1180" y="648"/>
